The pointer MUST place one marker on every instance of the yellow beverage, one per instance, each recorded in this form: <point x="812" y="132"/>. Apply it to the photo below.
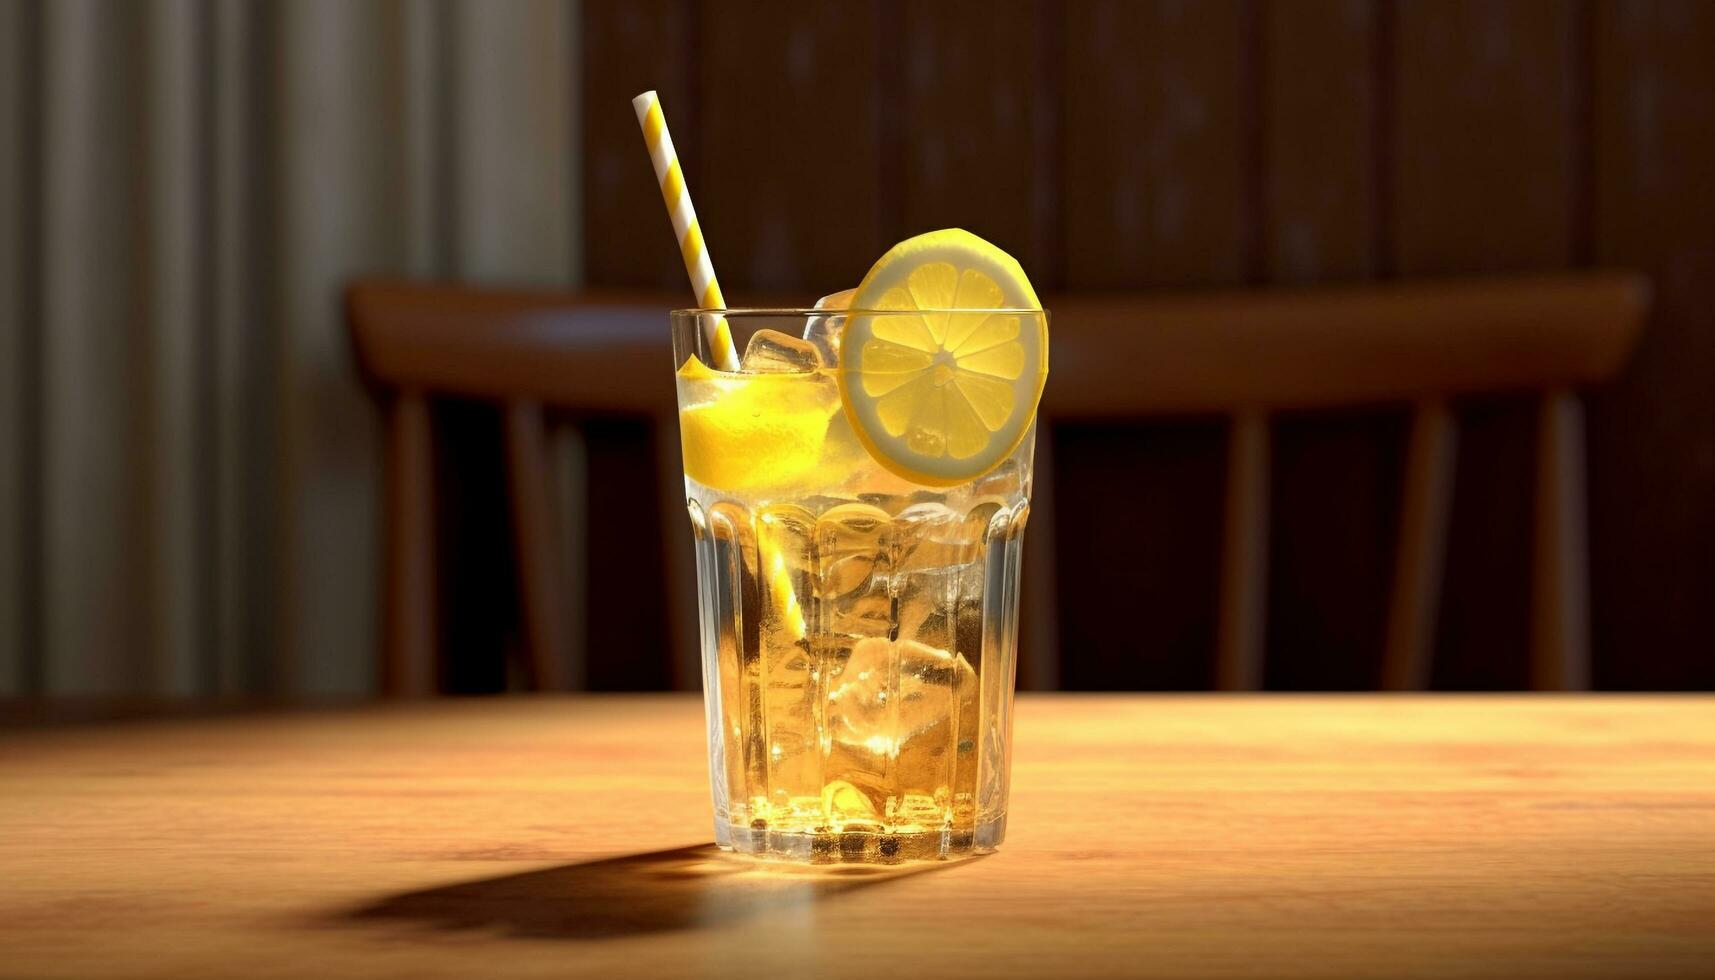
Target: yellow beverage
<point x="858" y="626"/>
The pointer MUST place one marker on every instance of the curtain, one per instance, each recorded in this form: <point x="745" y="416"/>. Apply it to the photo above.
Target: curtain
<point x="189" y="462"/>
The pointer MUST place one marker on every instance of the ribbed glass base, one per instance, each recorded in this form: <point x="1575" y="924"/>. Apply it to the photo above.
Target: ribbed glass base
<point x="861" y="847"/>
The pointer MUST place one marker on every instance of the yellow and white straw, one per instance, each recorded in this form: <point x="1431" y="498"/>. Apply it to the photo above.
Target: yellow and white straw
<point x="691" y="246"/>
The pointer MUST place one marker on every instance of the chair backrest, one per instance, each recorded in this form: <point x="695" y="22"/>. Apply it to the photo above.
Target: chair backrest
<point x="1420" y="343"/>
<point x="1245" y="354"/>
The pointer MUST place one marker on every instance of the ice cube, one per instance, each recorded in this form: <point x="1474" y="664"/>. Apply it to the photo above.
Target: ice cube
<point x="836" y="301"/>
<point x="854" y="542"/>
<point x="937" y="573"/>
<point x="824" y="331"/>
<point x="902" y="721"/>
<point x="934" y="537"/>
<point x="851" y="539"/>
<point x="772" y="352"/>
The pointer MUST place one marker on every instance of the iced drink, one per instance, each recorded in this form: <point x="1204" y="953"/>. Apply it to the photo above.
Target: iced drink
<point x="858" y="491"/>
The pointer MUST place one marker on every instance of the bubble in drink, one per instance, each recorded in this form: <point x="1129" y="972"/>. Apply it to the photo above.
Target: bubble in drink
<point x="773" y="352"/>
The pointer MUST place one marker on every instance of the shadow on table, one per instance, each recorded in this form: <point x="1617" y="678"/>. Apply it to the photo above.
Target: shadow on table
<point x="659" y="891"/>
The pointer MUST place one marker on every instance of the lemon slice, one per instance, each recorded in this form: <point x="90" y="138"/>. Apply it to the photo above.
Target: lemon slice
<point x="941" y="396"/>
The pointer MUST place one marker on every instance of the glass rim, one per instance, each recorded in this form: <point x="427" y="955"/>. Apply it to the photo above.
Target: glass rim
<point x="812" y="311"/>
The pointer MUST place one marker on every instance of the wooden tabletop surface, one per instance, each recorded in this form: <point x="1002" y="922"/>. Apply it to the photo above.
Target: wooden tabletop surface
<point x="1150" y="835"/>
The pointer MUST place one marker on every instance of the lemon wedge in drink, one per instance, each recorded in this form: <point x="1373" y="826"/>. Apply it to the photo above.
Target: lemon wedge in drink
<point x="944" y="358"/>
<point x="744" y="431"/>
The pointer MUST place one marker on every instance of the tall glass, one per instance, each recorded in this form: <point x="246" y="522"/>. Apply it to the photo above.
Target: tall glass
<point x="858" y="628"/>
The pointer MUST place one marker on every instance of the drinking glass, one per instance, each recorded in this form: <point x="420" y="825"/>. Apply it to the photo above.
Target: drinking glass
<point x="858" y="629"/>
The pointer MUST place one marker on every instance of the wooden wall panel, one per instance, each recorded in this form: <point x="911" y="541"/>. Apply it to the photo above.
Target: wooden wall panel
<point x="971" y="140"/>
<point x="1483" y="180"/>
<point x="476" y="609"/>
<point x="1335" y="507"/>
<point x="629" y="632"/>
<point x="791" y="157"/>
<point x="1652" y="460"/>
<point x="1319" y="123"/>
<point x="630" y="46"/>
<point x="1483" y="637"/>
<point x="1181" y="145"/>
<point x="1156" y="144"/>
<point x="1483" y="115"/>
<point x="1158" y="189"/>
<point x="975" y="112"/>
<point x="1138" y="547"/>
<point x="1335" y="482"/>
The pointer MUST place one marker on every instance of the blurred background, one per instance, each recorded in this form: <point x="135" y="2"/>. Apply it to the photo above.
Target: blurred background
<point x="191" y="463"/>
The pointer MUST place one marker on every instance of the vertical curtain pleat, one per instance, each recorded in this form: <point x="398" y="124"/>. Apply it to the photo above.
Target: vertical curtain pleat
<point x="423" y="29"/>
<point x="188" y="459"/>
<point x="337" y="214"/>
<point x="15" y="319"/>
<point x="512" y="86"/>
<point x="511" y="90"/>
<point x="96" y="630"/>
<point x="171" y="321"/>
<point x="242" y="554"/>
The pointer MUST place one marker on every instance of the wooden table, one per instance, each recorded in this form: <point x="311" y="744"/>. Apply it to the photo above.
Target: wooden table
<point x="1164" y="835"/>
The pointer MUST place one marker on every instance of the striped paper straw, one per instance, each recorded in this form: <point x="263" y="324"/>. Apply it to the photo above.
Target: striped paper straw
<point x="691" y="246"/>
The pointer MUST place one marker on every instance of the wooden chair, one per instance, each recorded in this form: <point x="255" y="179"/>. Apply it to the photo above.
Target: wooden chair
<point x="1252" y="353"/>
<point x="589" y="351"/>
<point x="1245" y="354"/>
